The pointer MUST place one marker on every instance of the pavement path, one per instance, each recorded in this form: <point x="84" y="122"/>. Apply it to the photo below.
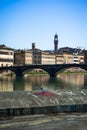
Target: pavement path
<point x="62" y="121"/>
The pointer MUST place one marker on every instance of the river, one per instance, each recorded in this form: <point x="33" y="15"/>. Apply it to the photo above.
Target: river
<point x="30" y="83"/>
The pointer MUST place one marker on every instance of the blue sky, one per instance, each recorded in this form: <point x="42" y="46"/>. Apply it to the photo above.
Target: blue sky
<point x="23" y="22"/>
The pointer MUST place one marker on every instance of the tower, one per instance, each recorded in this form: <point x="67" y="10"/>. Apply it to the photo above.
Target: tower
<point x="33" y="46"/>
<point x="55" y="42"/>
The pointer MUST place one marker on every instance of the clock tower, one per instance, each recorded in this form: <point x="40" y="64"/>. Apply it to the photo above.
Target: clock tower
<point x="55" y="42"/>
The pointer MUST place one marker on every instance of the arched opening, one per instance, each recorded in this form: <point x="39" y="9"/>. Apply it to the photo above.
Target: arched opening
<point x="68" y="70"/>
<point x="36" y="71"/>
<point x="7" y="73"/>
<point x="75" y="70"/>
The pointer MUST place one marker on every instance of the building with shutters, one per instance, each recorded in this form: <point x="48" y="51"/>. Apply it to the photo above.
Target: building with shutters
<point x="6" y="56"/>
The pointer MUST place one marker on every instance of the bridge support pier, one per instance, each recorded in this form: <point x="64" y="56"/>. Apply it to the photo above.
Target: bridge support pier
<point x="19" y="74"/>
<point x="52" y="74"/>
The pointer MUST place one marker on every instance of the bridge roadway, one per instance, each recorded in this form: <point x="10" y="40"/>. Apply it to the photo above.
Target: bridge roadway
<point x="52" y="70"/>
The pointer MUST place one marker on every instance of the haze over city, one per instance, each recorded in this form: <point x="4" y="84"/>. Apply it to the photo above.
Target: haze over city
<point x="23" y="22"/>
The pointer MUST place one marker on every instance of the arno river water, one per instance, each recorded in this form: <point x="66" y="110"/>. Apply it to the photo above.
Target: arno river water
<point x="30" y="83"/>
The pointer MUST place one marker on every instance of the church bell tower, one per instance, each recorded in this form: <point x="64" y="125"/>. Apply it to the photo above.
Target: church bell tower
<point x="55" y="42"/>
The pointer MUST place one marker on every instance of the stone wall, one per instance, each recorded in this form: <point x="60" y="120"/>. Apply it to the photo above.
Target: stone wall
<point x="42" y="110"/>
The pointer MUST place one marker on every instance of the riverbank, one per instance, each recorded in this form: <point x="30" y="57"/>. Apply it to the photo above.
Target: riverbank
<point x="47" y="111"/>
<point x="61" y="121"/>
<point x="30" y="103"/>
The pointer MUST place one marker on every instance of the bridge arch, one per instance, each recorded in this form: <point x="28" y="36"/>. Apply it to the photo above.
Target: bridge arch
<point x="52" y="70"/>
<point x="68" y="66"/>
<point x="71" y="70"/>
<point x="34" y="71"/>
<point x="6" y="72"/>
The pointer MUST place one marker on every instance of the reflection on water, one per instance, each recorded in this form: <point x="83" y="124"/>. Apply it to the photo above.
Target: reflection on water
<point x="62" y="82"/>
<point x="6" y="84"/>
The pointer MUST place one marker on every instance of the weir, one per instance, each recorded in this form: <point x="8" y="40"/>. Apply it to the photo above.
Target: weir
<point x="28" y="103"/>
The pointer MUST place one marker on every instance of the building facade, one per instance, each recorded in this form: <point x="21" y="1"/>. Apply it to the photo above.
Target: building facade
<point x="37" y="56"/>
<point x="85" y="56"/>
<point x="47" y="57"/>
<point x="23" y="57"/>
<point x="68" y="58"/>
<point x="28" y="57"/>
<point x="19" y="57"/>
<point x="6" y="56"/>
<point x="73" y="58"/>
<point x="43" y="57"/>
<point x="81" y="59"/>
<point x="72" y="55"/>
<point x="59" y="59"/>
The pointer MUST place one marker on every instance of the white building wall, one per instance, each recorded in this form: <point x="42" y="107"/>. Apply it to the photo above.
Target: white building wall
<point x="47" y="58"/>
<point x="6" y="57"/>
<point x="28" y="57"/>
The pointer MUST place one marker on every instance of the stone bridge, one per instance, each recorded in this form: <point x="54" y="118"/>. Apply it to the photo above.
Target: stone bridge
<point x="52" y="70"/>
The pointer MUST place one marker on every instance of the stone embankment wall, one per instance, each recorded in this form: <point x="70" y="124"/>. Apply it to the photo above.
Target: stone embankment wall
<point x="24" y="103"/>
